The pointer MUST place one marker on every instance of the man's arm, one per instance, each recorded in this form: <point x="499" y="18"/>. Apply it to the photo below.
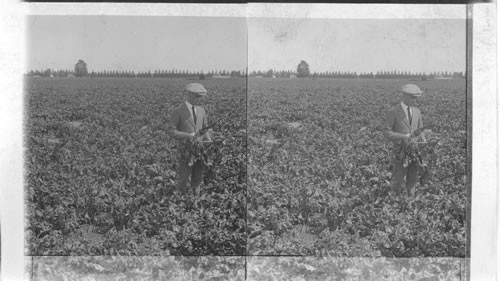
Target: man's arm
<point x="206" y="136"/>
<point x="388" y="127"/>
<point x="420" y="122"/>
<point x="172" y="128"/>
<point x="205" y="119"/>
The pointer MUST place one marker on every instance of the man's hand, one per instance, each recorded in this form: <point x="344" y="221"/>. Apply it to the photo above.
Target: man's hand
<point x="206" y="136"/>
<point x="197" y="140"/>
<point x="407" y="137"/>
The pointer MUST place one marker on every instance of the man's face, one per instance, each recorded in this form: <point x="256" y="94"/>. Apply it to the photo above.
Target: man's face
<point x="195" y="99"/>
<point x="410" y="100"/>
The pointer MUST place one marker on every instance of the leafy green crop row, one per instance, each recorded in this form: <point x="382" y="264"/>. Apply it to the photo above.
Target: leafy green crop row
<point x="100" y="166"/>
<point x="243" y="268"/>
<point x="319" y="171"/>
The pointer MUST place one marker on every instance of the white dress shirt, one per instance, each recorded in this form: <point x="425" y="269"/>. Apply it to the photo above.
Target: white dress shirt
<point x="405" y="109"/>
<point x="190" y="107"/>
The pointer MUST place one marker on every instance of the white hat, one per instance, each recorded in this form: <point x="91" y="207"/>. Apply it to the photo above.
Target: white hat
<point x="196" y="88"/>
<point x="411" y="89"/>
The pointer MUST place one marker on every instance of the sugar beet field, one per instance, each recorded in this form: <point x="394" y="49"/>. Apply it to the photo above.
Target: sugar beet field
<point x="319" y="169"/>
<point x="99" y="166"/>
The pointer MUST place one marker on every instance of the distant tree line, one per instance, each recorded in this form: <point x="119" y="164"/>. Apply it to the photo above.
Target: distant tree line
<point x="80" y="70"/>
<point x="411" y="75"/>
<point x="348" y="74"/>
<point x="271" y="73"/>
<point x="335" y="74"/>
<point x="49" y="72"/>
<point x="172" y="73"/>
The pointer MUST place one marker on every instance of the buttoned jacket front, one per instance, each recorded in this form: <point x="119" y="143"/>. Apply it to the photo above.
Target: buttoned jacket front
<point x="181" y="124"/>
<point x="396" y="125"/>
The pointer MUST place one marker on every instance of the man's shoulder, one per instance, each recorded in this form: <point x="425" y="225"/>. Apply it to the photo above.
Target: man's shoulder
<point x="179" y="107"/>
<point x="177" y="111"/>
<point x="394" y="108"/>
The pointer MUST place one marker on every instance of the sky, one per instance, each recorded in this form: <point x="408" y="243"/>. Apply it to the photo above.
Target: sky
<point x="360" y="45"/>
<point x="138" y="43"/>
<point x="143" y="43"/>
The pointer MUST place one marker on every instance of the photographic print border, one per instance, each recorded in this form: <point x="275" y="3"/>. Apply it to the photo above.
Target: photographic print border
<point x="483" y="140"/>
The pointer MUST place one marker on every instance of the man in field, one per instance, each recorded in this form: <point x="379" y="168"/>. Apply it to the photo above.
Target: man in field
<point x="400" y="123"/>
<point x="185" y="122"/>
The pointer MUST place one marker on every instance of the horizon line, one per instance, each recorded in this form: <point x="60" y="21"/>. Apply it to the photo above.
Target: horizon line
<point x="218" y="71"/>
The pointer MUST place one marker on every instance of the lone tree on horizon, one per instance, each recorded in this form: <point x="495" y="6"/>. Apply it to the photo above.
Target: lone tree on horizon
<point x="303" y="69"/>
<point x="81" y="68"/>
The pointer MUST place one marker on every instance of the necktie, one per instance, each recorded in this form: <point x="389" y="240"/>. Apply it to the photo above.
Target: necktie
<point x="409" y="114"/>
<point x="194" y="116"/>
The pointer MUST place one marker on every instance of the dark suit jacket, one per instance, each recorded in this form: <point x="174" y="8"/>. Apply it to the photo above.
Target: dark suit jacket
<point x="396" y="125"/>
<point x="181" y="124"/>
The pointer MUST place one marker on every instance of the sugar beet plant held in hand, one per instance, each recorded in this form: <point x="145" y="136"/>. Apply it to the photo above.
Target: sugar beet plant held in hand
<point x="205" y="148"/>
